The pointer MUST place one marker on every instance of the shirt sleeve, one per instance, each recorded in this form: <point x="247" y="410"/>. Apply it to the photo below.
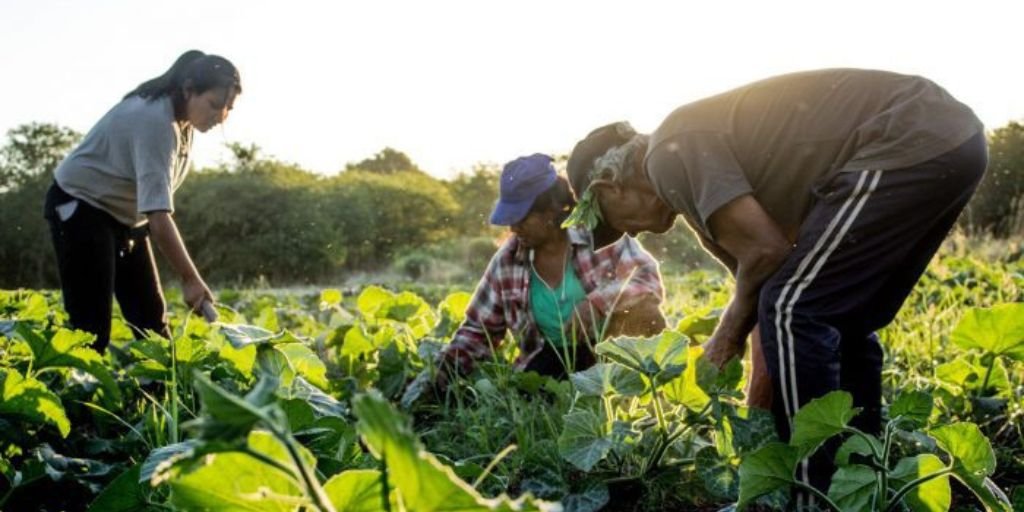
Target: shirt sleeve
<point x="635" y="278"/>
<point x="484" y="326"/>
<point x="697" y="173"/>
<point x="154" y="146"/>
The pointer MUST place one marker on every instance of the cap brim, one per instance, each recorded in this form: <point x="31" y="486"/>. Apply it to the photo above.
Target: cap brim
<point x="507" y="213"/>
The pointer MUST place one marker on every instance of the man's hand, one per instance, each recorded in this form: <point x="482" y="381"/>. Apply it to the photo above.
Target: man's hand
<point x="748" y="234"/>
<point x="719" y="350"/>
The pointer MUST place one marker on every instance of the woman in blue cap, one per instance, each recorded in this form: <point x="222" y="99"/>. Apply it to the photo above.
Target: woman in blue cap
<point x="549" y="286"/>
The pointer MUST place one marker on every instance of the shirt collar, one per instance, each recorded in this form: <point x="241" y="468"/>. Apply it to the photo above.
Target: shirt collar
<point x="578" y="237"/>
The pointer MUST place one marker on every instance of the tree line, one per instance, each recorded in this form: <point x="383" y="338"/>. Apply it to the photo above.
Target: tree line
<point x="260" y="218"/>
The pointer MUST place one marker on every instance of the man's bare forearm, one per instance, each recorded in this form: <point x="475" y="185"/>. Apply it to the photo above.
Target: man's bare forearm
<point x="740" y="315"/>
<point x="759" y="388"/>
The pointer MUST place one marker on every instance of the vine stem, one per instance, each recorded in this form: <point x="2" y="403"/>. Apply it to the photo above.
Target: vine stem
<point x="818" y="494"/>
<point x="914" y="483"/>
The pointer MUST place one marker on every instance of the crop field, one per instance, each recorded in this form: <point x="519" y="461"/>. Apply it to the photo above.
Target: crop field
<point x="322" y="402"/>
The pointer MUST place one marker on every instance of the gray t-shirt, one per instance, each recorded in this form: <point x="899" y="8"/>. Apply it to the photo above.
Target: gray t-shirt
<point x="131" y="162"/>
<point x="779" y="138"/>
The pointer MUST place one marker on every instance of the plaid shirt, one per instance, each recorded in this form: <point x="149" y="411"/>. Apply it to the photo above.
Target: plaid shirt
<point x="501" y="301"/>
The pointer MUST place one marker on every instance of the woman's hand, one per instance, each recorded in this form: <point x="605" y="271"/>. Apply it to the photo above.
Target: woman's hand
<point x="195" y="292"/>
<point x="165" y="233"/>
<point x="642" y="319"/>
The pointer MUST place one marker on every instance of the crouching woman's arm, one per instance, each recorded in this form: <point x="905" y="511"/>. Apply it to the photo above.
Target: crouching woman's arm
<point x="629" y="302"/>
<point x="483" y="328"/>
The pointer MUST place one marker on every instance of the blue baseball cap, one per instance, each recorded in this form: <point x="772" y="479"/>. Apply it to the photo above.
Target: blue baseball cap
<point x="522" y="180"/>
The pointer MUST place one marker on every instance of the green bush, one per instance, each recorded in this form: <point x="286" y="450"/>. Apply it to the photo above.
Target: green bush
<point x="998" y="205"/>
<point x="415" y="265"/>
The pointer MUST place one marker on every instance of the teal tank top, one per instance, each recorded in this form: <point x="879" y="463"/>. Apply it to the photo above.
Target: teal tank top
<point x="552" y="307"/>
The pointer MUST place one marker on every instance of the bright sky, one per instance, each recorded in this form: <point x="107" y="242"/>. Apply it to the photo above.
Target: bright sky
<point x="453" y="83"/>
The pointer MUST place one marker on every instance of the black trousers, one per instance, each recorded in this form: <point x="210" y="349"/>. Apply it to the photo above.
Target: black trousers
<point x="866" y="241"/>
<point x="100" y="258"/>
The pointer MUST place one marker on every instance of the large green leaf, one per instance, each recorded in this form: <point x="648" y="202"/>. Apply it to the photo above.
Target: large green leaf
<point x="821" y="419"/>
<point x="973" y="460"/>
<point x="853" y="488"/>
<point x="305" y="362"/>
<point x="372" y="299"/>
<point x="684" y="389"/>
<point x="323" y="405"/>
<point x="998" y="380"/>
<point x="357" y="342"/>
<point x="422" y="482"/>
<point x="699" y="323"/>
<point x="330" y="297"/>
<point x="33" y="308"/>
<point x="584" y="440"/>
<point x="84" y="471"/>
<point x="423" y="382"/>
<point x="273" y="363"/>
<point x="966" y="374"/>
<point x="70" y="349"/>
<point x="913" y="408"/>
<point x="234" y="481"/>
<point x="998" y="330"/>
<point x="719" y="475"/>
<point x="240" y="360"/>
<point x="229" y="418"/>
<point x="124" y="494"/>
<point x="356" y="490"/>
<point x="452" y="311"/>
<point x="866" y="446"/>
<point x="766" y="470"/>
<point x="958" y="375"/>
<point x="153" y="357"/>
<point x="30" y="399"/>
<point x="267" y="318"/>
<point x="376" y="303"/>
<point x="608" y="378"/>
<point x="970" y="450"/>
<point x="405" y="307"/>
<point x="242" y="335"/>
<point x="752" y="428"/>
<point x="591" y="499"/>
<point x="392" y="369"/>
<point x="932" y="496"/>
<point x="156" y="468"/>
<point x="661" y="358"/>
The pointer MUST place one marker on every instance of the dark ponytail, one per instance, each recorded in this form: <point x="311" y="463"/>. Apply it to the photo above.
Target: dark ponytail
<point x="196" y="70"/>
